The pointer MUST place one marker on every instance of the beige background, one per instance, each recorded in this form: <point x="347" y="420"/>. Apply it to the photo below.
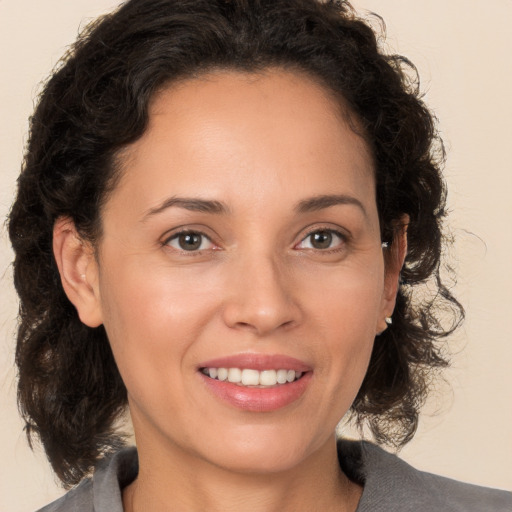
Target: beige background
<point x="463" y="51"/>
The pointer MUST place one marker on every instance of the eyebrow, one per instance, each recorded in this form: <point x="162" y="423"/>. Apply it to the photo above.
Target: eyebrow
<point x="311" y="204"/>
<point x="321" y="202"/>
<point x="188" y="203"/>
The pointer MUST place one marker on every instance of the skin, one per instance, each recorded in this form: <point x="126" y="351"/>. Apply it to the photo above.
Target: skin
<point x="260" y="145"/>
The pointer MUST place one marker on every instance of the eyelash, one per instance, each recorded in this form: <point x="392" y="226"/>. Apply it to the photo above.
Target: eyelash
<point x="186" y="232"/>
<point x="332" y="232"/>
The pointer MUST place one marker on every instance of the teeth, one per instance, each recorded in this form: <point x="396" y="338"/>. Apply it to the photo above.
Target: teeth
<point x="249" y="377"/>
<point x="281" y="376"/>
<point x="235" y="375"/>
<point x="268" y="378"/>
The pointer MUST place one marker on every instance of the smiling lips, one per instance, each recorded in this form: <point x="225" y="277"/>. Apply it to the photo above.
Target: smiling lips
<point x="256" y="383"/>
<point x="250" y="377"/>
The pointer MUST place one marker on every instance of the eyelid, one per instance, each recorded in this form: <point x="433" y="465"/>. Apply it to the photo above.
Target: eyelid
<point x="343" y="236"/>
<point x="184" y="230"/>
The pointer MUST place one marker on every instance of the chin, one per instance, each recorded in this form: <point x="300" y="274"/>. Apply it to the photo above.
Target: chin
<point x="261" y="452"/>
<point x="260" y="463"/>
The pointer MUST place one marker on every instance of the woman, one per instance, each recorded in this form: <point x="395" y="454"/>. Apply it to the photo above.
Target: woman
<point x="182" y="147"/>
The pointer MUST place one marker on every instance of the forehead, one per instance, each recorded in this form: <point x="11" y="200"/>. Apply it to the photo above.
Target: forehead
<point x="233" y="133"/>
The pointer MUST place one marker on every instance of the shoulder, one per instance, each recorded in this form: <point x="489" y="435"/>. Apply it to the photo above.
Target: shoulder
<point x="78" y="499"/>
<point x="392" y="484"/>
<point x="454" y="495"/>
<point x="102" y="492"/>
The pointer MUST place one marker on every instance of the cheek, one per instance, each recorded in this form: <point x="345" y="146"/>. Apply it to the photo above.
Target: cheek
<point x="146" y="297"/>
<point x="348" y="298"/>
<point x="153" y="318"/>
<point x="346" y="310"/>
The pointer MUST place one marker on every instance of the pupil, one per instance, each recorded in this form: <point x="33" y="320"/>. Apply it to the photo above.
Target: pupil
<point x="322" y="240"/>
<point x="190" y="241"/>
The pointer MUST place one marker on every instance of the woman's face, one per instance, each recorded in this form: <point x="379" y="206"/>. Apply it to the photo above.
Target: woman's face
<point x="243" y="235"/>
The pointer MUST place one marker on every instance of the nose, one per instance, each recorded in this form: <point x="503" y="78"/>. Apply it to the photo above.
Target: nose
<point x="261" y="298"/>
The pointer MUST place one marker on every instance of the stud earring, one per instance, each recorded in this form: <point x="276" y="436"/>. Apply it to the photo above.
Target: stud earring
<point x="388" y="320"/>
<point x="385" y="245"/>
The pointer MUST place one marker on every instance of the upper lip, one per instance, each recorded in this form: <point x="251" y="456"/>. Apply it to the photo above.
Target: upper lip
<point x="258" y="362"/>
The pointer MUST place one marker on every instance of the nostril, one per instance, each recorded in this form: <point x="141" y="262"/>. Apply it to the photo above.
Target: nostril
<point x="262" y="305"/>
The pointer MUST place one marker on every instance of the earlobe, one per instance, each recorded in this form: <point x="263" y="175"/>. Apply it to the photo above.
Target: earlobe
<point x="78" y="271"/>
<point x="394" y="258"/>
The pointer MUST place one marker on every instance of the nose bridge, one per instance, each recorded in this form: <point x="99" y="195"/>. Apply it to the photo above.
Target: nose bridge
<point x="260" y="298"/>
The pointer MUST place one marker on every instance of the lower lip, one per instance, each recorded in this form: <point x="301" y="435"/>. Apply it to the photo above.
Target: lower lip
<point x="258" y="399"/>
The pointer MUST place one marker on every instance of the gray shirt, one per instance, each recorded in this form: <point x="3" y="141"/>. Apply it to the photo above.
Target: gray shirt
<point x="390" y="485"/>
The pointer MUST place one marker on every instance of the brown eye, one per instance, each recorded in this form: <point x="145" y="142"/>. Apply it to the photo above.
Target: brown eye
<point x="190" y="241"/>
<point x="321" y="240"/>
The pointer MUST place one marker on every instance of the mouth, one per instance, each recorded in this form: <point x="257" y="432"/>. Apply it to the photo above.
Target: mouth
<point x="256" y="382"/>
<point x="248" y="377"/>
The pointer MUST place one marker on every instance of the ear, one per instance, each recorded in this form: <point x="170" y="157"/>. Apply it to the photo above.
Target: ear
<point x="78" y="271"/>
<point x="394" y="257"/>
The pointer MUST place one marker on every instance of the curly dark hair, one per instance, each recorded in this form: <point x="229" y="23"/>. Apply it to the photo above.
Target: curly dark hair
<point x="96" y="102"/>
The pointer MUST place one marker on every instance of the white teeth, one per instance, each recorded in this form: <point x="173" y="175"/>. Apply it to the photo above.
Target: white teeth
<point x="249" y="377"/>
<point x="281" y="376"/>
<point x="235" y="375"/>
<point x="268" y="378"/>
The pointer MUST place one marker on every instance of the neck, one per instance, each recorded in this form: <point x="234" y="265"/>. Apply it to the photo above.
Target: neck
<point x="178" y="481"/>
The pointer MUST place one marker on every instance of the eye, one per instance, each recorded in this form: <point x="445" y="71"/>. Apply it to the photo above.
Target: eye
<point x="322" y="239"/>
<point x="190" y="241"/>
